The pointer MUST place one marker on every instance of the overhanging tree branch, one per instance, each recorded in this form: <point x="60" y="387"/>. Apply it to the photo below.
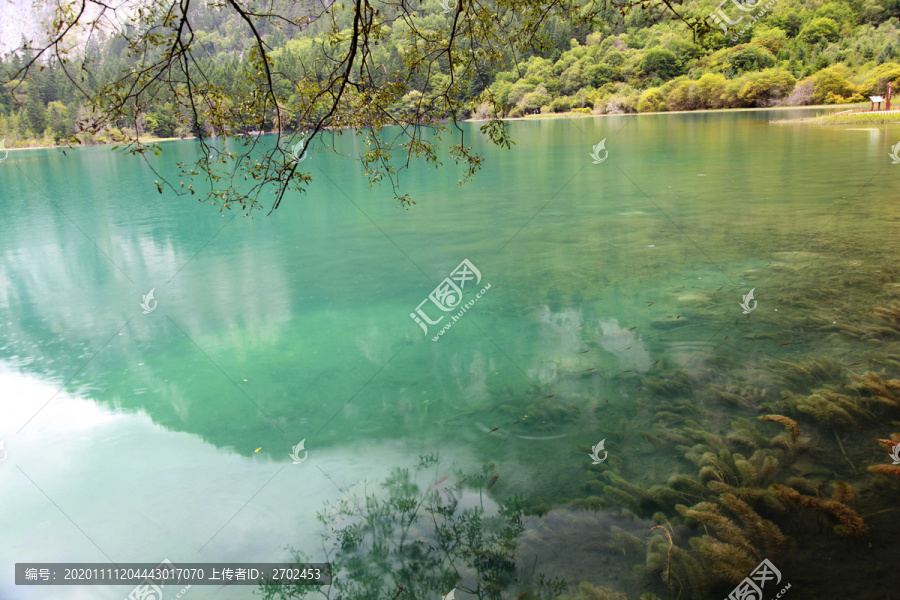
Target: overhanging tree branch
<point x="342" y="84"/>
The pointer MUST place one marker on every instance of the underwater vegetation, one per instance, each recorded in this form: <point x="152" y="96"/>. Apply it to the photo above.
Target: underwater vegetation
<point x="742" y="437"/>
<point x="844" y="405"/>
<point x="405" y="541"/>
<point x="586" y="591"/>
<point x="791" y="425"/>
<point x="776" y="447"/>
<point x="741" y="537"/>
<point x="851" y="524"/>
<point x="801" y="374"/>
<point x="744" y="499"/>
<point x="731" y="462"/>
<point x="738" y="396"/>
<point x="771" y="478"/>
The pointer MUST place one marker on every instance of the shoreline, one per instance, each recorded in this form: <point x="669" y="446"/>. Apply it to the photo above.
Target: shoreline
<point x="670" y="112"/>
<point x="868" y="117"/>
<point x="565" y="115"/>
<point x="66" y="146"/>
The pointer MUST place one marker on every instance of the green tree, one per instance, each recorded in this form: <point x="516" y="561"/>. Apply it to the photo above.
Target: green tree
<point x="571" y="80"/>
<point x="771" y="38"/>
<point x="766" y="87"/>
<point x="165" y="121"/>
<point x="684" y="96"/>
<point x="58" y="121"/>
<point x="749" y="57"/>
<point x="518" y="91"/>
<point x="711" y="87"/>
<point x="820" y="29"/>
<point x="533" y="101"/>
<point x="598" y="74"/>
<point x="876" y="83"/>
<point x="661" y="63"/>
<point x="876" y="11"/>
<point x="614" y="58"/>
<point x="411" y="101"/>
<point x="831" y="87"/>
<point x="731" y="95"/>
<point x="35" y="113"/>
<point x="788" y="21"/>
<point x="561" y="104"/>
<point x="839" y="13"/>
<point x="652" y="101"/>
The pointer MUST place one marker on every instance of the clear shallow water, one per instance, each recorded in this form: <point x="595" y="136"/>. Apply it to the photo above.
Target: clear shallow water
<point x="132" y="437"/>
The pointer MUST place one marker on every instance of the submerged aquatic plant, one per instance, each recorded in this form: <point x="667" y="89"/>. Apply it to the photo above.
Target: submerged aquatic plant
<point x="743" y="396"/>
<point x="732" y="469"/>
<point x="681" y="572"/>
<point x="831" y="408"/>
<point x="892" y="314"/>
<point x="798" y="375"/>
<point x="745" y="432"/>
<point x="408" y="543"/>
<point x="891" y="443"/>
<point x="791" y="425"/>
<point x="851" y="524"/>
<point x="886" y="392"/>
<point x="889" y="470"/>
<point x="739" y="488"/>
<point x="667" y="574"/>
<point x="587" y="591"/>
<point x="745" y="538"/>
<point x="670" y="383"/>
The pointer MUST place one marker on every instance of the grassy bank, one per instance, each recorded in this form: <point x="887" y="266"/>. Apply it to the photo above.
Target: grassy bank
<point x="30" y="144"/>
<point x="571" y="114"/>
<point x="871" y="118"/>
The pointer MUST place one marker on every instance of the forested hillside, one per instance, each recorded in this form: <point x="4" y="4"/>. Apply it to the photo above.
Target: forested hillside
<point x="793" y="52"/>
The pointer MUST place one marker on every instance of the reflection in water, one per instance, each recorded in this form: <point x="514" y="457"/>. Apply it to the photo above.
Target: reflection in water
<point x="625" y="345"/>
<point x="420" y="543"/>
<point x="77" y="461"/>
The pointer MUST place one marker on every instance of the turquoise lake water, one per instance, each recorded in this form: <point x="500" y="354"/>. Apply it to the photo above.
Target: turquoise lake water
<point x="615" y="291"/>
